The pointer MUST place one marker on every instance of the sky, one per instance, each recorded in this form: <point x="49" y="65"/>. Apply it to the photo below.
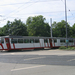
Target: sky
<point x="22" y="9"/>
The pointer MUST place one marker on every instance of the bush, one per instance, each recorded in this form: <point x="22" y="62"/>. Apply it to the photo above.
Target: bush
<point x="69" y="48"/>
<point x="62" y="47"/>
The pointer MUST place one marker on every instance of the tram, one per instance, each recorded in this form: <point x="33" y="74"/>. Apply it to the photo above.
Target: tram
<point x="27" y="42"/>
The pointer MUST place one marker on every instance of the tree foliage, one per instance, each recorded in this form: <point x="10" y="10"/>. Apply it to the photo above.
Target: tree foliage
<point x="73" y="30"/>
<point x="36" y="26"/>
<point x="15" y="28"/>
<point x="59" y="29"/>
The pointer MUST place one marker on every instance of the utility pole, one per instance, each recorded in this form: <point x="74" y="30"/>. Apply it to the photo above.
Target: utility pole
<point x="66" y="25"/>
<point x="51" y="26"/>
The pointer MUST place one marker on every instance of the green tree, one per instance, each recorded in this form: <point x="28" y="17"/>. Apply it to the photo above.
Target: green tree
<point x="5" y="29"/>
<point x="1" y="32"/>
<point x="18" y="28"/>
<point x="15" y="28"/>
<point x="73" y="30"/>
<point x="60" y="29"/>
<point x="36" y="26"/>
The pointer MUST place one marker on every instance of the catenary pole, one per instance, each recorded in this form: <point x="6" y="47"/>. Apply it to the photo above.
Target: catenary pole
<point x="51" y="25"/>
<point x="66" y="24"/>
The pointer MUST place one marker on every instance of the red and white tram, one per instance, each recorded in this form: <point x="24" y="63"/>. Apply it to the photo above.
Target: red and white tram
<point x="26" y="42"/>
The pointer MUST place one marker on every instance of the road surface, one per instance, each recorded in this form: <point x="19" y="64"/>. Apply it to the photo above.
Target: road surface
<point x="40" y="62"/>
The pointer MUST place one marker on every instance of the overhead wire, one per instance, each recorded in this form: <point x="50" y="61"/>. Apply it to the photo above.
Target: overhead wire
<point x="8" y="16"/>
<point x="26" y="2"/>
<point x="13" y="12"/>
<point x="69" y="10"/>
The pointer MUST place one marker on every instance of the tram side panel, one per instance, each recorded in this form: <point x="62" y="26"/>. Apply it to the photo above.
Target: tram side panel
<point x="41" y="43"/>
<point x="46" y="43"/>
<point x="71" y="43"/>
<point x="62" y="42"/>
<point x="3" y="44"/>
<point x="21" y="44"/>
<point x="58" y="42"/>
<point x="27" y="43"/>
<point x="54" y="43"/>
<point x="38" y="43"/>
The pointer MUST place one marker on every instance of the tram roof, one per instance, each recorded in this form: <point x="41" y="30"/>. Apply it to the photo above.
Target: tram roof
<point x="34" y="37"/>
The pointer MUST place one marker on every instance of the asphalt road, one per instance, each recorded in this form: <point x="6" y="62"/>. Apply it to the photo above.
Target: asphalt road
<point x="41" y="62"/>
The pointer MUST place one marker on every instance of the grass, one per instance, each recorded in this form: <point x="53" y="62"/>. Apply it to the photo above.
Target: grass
<point x="65" y="48"/>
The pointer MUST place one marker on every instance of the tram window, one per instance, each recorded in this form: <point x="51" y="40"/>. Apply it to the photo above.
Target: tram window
<point x="45" y="40"/>
<point x="2" y="40"/>
<point x="70" y="40"/>
<point x="31" y="40"/>
<point x="36" y="40"/>
<point x="13" y="40"/>
<point x="26" y="41"/>
<point x="20" y="40"/>
<point x="62" y="40"/>
<point x="7" y="41"/>
<point x="55" y="40"/>
<point x="74" y="40"/>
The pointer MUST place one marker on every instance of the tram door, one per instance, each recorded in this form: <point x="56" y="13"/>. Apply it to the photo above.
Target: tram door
<point x="7" y="43"/>
<point x="50" y="40"/>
